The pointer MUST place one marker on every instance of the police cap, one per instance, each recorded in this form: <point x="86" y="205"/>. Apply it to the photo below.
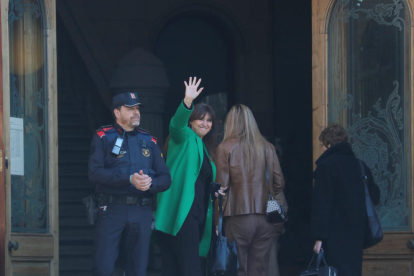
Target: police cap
<point x="128" y="99"/>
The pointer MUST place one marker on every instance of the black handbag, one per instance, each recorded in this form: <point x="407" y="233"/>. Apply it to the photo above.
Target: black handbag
<point x="274" y="210"/>
<point x="225" y="261"/>
<point x="319" y="270"/>
<point x="373" y="230"/>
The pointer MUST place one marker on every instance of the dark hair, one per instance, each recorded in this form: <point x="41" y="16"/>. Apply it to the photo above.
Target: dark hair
<point x="113" y="111"/>
<point x="199" y="112"/>
<point x="333" y="134"/>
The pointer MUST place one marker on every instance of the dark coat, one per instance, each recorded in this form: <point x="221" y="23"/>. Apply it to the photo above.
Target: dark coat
<point x="338" y="208"/>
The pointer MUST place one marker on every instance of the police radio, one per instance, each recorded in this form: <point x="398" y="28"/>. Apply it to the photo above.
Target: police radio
<point x="118" y="144"/>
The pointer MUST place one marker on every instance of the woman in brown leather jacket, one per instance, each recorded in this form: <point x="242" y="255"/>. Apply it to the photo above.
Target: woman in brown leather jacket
<point x="241" y="168"/>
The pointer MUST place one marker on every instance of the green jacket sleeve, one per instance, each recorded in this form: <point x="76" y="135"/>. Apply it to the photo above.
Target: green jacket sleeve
<point x="179" y="124"/>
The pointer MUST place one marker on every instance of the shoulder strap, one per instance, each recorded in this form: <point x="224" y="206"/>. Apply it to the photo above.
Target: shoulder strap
<point x="221" y="214"/>
<point x="228" y="189"/>
<point x="143" y="130"/>
<point x="112" y="136"/>
<point x="267" y="173"/>
<point x="368" y="201"/>
<point x="364" y="175"/>
<point x="146" y="139"/>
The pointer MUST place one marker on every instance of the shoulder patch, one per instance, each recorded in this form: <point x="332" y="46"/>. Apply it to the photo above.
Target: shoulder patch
<point x="153" y="139"/>
<point x="100" y="133"/>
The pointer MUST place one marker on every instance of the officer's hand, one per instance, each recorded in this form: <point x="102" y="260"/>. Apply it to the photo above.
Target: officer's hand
<point x="141" y="181"/>
<point x="141" y="175"/>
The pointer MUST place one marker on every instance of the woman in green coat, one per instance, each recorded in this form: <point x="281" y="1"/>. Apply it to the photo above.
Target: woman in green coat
<point x="184" y="212"/>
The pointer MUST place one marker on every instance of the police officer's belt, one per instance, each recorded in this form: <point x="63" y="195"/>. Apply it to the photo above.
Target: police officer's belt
<point x="136" y="200"/>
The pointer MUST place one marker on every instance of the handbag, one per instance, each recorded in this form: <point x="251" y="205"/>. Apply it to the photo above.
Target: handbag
<point x="225" y="261"/>
<point x="319" y="270"/>
<point x="373" y="231"/>
<point x="274" y="210"/>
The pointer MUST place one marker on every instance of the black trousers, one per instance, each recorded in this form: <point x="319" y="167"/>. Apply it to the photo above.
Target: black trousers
<point x="180" y="253"/>
<point x="129" y="225"/>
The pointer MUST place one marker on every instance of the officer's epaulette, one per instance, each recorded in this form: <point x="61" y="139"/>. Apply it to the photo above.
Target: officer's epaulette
<point x="101" y="131"/>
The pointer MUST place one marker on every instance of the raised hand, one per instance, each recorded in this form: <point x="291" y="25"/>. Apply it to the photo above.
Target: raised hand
<point x="191" y="90"/>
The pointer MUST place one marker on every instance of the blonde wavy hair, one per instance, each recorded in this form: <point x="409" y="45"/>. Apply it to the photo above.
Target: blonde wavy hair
<point x="240" y="123"/>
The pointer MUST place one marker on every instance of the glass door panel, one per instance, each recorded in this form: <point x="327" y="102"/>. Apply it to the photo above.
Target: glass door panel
<point x="28" y="117"/>
<point x="369" y="94"/>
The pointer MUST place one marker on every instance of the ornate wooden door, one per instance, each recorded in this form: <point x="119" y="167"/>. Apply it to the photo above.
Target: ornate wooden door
<point x="30" y="137"/>
<point x="362" y="79"/>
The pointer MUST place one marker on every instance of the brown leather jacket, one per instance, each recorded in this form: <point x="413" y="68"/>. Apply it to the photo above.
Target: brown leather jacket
<point x="248" y="191"/>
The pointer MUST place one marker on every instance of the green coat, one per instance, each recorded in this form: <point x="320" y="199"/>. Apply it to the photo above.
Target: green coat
<point x="184" y="159"/>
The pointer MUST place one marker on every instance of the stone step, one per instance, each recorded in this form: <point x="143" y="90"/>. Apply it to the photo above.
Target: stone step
<point x="73" y="112"/>
<point x="67" y="184"/>
<point x="68" y="162"/>
<point x="72" y="211"/>
<point x="79" y="148"/>
<point x="73" y="156"/>
<point x="84" y="143"/>
<point x="77" y="175"/>
<point x="74" y="223"/>
<point x="76" y="250"/>
<point x="71" y="167"/>
<point x="74" y="140"/>
<point x="76" y="129"/>
<point x="74" y="197"/>
<point x="76" y="234"/>
<point x="76" y="273"/>
<point x="83" y="264"/>
<point x="153" y="273"/>
<point x="74" y="136"/>
<point x="71" y="118"/>
<point x="72" y="123"/>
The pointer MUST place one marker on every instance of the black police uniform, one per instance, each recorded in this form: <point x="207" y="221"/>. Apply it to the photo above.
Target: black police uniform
<point x="125" y="213"/>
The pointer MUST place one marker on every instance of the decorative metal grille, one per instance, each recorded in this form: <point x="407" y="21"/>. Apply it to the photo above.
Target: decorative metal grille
<point x="366" y="64"/>
<point x="28" y="100"/>
<point x="376" y="140"/>
<point x="383" y="14"/>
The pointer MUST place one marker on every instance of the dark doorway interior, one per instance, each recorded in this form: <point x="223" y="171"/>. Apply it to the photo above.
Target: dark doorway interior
<point x="194" y="44"/>
<point x="197" y="45"/>
<point x="80" y="112"/>
<point x="292" y="39"/>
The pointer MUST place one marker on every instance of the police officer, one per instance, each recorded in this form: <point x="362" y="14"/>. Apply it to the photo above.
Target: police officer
<point x="128" y="169"/>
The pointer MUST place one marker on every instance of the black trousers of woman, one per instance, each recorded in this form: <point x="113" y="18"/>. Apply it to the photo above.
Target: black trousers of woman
<point x="179" y="253"/>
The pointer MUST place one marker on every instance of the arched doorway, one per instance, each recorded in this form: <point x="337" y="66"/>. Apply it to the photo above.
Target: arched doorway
<point x="197" y="44"/>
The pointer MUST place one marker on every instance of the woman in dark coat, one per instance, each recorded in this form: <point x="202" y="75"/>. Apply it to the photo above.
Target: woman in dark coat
<point x="338" y="205"/>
